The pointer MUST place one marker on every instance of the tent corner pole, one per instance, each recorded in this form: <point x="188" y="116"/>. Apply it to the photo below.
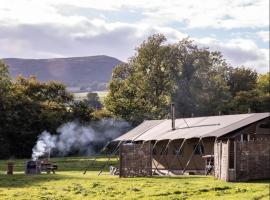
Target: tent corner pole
<point x="192" y="154"/>
<point x="110" y="156"/>
<point x="95" y="158"/>
<point x="177" y="153"/>
<point x="160" y="155"/>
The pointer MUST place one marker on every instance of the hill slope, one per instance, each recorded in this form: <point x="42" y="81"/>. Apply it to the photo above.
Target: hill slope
<point x="92" y="71"/>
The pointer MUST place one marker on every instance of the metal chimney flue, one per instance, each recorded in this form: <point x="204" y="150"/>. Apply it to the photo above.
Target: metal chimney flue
<point x="173" y="115"/>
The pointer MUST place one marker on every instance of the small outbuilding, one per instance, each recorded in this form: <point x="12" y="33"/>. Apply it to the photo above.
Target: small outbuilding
<point x="232" y="147"/>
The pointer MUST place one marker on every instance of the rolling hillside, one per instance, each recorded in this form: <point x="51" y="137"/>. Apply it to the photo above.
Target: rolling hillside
<point x="92" y="72"/>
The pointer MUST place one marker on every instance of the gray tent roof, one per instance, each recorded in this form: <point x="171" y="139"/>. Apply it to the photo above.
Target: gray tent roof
<point x="198" y="127"/>
<point x="137" y="131"/>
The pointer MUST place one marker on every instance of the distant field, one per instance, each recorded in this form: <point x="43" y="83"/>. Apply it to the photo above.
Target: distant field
<point x="102" y="94"/>
<point x="83" y="95"/>
<point x="70" y="183"/>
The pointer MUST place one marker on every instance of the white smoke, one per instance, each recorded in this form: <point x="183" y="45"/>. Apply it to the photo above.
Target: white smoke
<point x="74" y="136"/>
<point x="45" y="143"/>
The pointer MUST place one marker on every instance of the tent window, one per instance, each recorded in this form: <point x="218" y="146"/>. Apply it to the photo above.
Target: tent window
<point x="265" y="125"/>
<point x="199" y="149"/>
<point x="244" y="137"/>
<point x="263" y="128"/>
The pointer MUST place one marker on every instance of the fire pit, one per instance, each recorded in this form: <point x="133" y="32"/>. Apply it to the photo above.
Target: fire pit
<point x="38" y="166"/>
<point x="33" y="167"/>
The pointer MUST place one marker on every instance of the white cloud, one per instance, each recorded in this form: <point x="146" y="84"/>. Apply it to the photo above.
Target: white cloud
<point x="89" y="37"/>
<point x="240" y="52"/>
<point x="33" y="12"/>
<point x="264" y="35"/>
<point x="38" y="29"/>
<point x="208" y="13"/>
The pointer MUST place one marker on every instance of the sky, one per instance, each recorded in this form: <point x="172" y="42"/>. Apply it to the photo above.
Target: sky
<point x="65" y="28"/>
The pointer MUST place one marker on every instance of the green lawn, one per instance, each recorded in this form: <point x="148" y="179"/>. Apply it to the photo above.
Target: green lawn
<point x="70" y="183"/>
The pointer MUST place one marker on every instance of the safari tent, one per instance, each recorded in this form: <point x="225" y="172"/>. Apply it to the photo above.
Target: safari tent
<point x="237" y="145"/>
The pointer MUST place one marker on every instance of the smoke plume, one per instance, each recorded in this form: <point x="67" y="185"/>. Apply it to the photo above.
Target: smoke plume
<point x="75" y="137"/>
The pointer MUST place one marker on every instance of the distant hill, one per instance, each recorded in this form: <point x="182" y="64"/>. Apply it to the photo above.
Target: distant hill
<point x="87" y="73"/>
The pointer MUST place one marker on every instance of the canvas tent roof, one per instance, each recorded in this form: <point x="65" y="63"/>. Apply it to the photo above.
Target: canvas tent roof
<point x="198" y="127"/>
<point x="140" y="129"/>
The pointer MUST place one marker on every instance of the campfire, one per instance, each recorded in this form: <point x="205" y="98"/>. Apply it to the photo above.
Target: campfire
<point x="39" y="166"/>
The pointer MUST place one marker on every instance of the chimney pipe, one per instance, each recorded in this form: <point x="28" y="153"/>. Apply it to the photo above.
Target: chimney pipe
<point x="173" y="115"/>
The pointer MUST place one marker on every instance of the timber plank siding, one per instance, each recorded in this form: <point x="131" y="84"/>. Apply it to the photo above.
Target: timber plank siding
<point x="253" y="160"/>
<point x="135" y="160"/>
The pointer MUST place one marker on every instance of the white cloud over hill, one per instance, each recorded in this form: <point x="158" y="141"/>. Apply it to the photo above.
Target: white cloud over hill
<point x="56" y="28"/>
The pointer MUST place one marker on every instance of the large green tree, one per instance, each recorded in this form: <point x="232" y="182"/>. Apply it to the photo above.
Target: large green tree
<point x="94" y="100"/>
<point x="81" y="111"/>
<point x="28" y="107"/>
<point x="242" y="79"/>
<point x="248" y="101"/>
<point x="142" y="88"/>
<point x="200" y="79"/>
<point x="5" y="97"/>
<point x="263" y="83"/>
<point x="159" y="73"/>
<point x="197" y="80"/>
<point x="253" y="97"/>
<point x="31" y="106"/>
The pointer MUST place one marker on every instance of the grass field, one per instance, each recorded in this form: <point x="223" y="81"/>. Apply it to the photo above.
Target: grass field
<point x="83" y="95"/>
<point x="70" y="183"/>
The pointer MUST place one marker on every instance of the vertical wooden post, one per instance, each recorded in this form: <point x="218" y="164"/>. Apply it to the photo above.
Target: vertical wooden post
<point x="235" y="154"/>
<point x="220" y="159"/>
<point x="228" y="159"/>
<point x="120" y="162"/>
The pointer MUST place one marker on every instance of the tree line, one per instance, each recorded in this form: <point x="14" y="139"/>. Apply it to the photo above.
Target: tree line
<point x="28" y="107"/>
<point x="200" y="82"/>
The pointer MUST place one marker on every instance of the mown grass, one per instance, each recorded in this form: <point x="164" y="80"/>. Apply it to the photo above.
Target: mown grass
<point x="70" y="183"/>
